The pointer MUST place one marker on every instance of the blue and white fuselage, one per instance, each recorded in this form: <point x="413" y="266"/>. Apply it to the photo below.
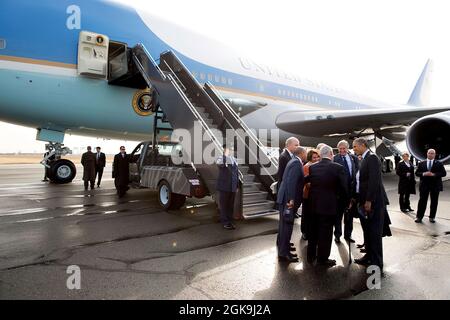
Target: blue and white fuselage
<point x="40" y="86"/>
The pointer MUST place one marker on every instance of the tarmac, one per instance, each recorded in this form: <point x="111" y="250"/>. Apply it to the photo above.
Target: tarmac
<point x="130" y="248"/>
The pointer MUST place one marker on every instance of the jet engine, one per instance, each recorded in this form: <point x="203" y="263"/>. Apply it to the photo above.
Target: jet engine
<point x="431" y="131"/>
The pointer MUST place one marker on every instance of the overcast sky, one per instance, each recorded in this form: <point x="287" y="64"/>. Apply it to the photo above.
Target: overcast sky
<point x="375" y="48"/>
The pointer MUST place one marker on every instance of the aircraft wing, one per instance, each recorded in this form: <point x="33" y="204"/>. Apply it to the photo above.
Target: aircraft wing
<point x="329" y="122"/>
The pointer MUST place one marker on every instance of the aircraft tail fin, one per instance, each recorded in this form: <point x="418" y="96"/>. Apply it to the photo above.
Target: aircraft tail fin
<point x="420" y="96"/>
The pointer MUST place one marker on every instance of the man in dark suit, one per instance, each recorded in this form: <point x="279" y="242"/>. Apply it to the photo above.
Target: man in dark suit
<point x="406" y="182"/>
<point x="88" y="162"/>
<point x="430" y="172"/>
<point x="350" y="164"/>
<point x="328" y="184"/>
<point x="285" y="156"/>
<point x="100" y="162"/>
<point x="289" y="199"/>
<point x="372" y="203"/>
<point x="227" y="185"/>
<point x="121" y="172"/>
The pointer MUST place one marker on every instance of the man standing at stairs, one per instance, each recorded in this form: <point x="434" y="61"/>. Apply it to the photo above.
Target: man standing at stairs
<point x="285" y="156"/>
<point x="227" y="185"/>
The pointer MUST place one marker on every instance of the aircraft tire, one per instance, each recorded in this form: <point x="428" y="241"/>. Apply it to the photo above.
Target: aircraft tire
<point x="62" y="171"/>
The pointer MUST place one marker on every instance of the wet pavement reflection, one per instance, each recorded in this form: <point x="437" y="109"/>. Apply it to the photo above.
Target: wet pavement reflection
<point x="131" y="249"/>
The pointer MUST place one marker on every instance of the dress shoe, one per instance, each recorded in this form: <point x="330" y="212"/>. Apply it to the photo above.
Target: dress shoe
<point x="327" y="263"/>
<point x="363" y="261"/>
<point x="293" y="255"/>
<point x="98" y="186"/>
<point x="287" y="259"/>
<point x="363" y="250"/>
<point x="292" y="249"/>
<point x="404" y="210"/>
<point x="432" y="220"/>
<point x="337" y="240"/>
<point x="359" y="246"/>
<point x="418" y="221"/>
<point x="350" y="240"/>
<point x="409" y="209"/>
<point x="228" y="226"/>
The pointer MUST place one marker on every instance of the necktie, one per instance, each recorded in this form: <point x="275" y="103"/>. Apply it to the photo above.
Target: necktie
<point x="429" y="165"/>
<point x="346" y="166"/>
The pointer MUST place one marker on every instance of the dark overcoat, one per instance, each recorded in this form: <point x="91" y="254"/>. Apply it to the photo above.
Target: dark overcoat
<point x="329" y="183"/>
<point x="121" y="170"/>
<point x="406" y="185"/>
<point x="88" y="162"/>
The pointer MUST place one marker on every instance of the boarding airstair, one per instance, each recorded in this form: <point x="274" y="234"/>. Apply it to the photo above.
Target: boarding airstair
<point x="189" y="106"/>
<point x="390" y="145"/>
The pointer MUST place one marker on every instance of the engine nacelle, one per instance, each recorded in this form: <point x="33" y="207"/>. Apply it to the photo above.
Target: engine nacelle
<point x="432" y="131"/>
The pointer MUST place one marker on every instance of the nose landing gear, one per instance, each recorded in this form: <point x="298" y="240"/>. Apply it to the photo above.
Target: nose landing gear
<point x="58" y="170"/>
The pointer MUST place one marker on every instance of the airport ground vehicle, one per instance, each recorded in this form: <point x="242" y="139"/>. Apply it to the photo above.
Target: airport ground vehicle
<point x="153" y="168"/>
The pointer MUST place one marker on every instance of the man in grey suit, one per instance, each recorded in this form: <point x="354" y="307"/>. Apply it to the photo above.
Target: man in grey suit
<point x="289" y="199"/>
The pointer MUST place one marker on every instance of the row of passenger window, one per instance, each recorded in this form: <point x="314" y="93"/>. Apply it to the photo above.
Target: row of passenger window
<point x="297" y="95"/>
<point x="282" y="92"/>
<point x="212" y="78"/>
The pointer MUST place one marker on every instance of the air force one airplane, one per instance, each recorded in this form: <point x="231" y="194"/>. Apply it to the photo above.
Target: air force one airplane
<point x="55" y="76"/>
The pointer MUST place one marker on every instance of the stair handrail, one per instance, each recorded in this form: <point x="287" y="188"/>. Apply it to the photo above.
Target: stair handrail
<point x="174" y="74"/>
<point x="169" y="76"/>
<point x="200" y="119"/>
<point x="255" y="139"/>
<point x="161" y="73"/>
<point x="195" y="113"/>
<point x="193" y="109"/>
<point x="199" y="86"/>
